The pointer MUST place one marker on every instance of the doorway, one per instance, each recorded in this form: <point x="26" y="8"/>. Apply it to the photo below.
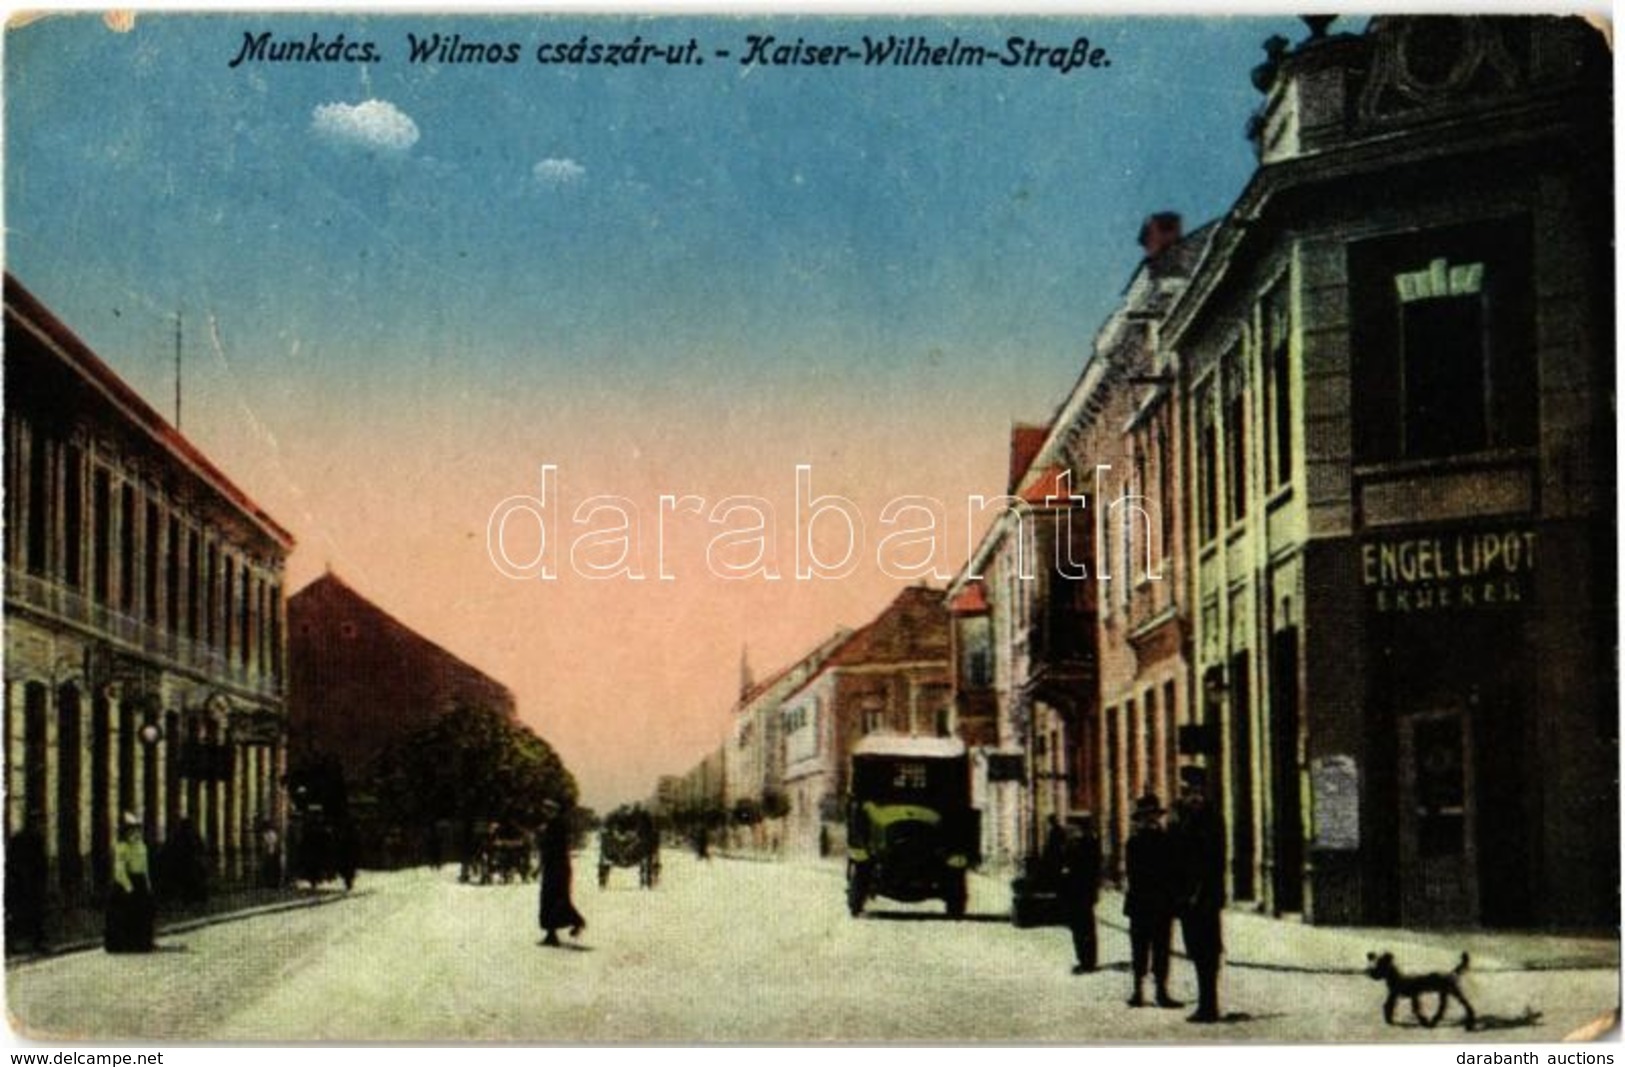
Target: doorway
<point x="1437" y="827"/>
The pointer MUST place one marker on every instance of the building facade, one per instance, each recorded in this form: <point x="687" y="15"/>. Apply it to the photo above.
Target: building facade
<point x="361" y="680"/>
<point x="1116" y="438"/>
<point x="890" y="676"/>
<point x="144" y="620"/>
<point x="1396" y="365"/>
<point x="1025" y="657"/>
<point x="754" y="785"/>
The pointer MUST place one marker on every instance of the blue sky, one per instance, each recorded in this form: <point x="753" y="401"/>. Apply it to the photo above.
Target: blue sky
<point x="404" y="287"/>
<point x="757" y="212"/>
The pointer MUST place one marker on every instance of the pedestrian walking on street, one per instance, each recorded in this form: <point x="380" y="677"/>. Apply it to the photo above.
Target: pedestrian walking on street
<point x="1080" y="891"/>
<point x="1199" y="851"/>
<point x="130" y="911"/>
<point x="558" y="911"/>
<point x="1149" y="902"/>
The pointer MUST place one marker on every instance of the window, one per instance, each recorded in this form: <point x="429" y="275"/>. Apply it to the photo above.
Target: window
<point x="1443" y="338"/>
<point x="1153" y="743"/>
<point x="981" y="667"/>
<point x="39" y="496"/>
<point x="1165" y="480"/>
<point x="1442" y="352"/>
<point x="276" y="630"/>
<point x="154" y="526"/>
<point x="191" y="584"/>
<point x="172" y="583"/>
<point x="73" y="516"/>
<point x="874" y="715"/>
<point x="976" y="647"/>
<point x="1235" y="432"/>
<point x="211" y="598"/>
<point x="126" y="572"/>
<point x="101" y="505"/>
<point x="1146" y="493"/>
<point x="1126" y="575"/>
<point x="1135" y="754"/>
<point x="245" y="606"/>
<point x="228" y="605"/>
<point x="1277" y="324"/>
<point x="1207" y="445"/>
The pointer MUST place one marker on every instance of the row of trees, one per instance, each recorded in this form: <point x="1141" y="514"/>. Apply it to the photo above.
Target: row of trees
<point x="471" y="763"/>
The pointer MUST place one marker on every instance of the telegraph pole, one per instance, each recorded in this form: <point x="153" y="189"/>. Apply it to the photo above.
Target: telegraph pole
<point x="177" y="370"/>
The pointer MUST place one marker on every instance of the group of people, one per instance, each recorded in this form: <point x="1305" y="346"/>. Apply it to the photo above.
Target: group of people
<point x="1173" y="872"/>
<point x="178" y="871"/>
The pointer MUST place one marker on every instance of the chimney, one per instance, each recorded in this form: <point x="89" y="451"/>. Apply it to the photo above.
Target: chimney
<point x="1160" y="232"/>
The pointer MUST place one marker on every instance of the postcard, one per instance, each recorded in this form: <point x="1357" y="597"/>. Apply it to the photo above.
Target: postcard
<point x="612" y="528"/>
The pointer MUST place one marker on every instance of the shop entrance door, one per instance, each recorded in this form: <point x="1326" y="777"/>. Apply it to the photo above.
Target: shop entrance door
<point x="1437" y="829"/>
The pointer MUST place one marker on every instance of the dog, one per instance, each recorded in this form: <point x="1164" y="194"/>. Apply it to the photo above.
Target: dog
<point x="1443" y="984"/>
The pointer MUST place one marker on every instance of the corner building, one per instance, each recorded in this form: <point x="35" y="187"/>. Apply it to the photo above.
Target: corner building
<point x="1396" y="365"/>
<point x="144" y="620"/>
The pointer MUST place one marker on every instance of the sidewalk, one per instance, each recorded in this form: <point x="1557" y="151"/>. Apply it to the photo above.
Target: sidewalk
<point x="79" y="929"/>
<point x="1289" y="944"/>
<point x="1260" y="941"/>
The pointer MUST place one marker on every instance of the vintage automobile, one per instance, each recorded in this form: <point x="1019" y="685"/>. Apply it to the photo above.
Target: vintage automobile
<point x="912" y="833"/>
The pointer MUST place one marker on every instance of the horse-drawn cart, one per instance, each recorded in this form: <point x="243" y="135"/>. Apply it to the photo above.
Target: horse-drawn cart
<point x="500" y="854"/>
<point x="629" y="839"/>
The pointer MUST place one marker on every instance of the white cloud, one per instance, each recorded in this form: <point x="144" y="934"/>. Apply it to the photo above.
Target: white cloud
<point x="559" y="171"/>
<point x="374" y="125"/>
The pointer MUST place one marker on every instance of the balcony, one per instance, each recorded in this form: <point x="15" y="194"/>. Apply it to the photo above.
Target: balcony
<point x="1062" y="651"/>
<point x="71" y="608"/>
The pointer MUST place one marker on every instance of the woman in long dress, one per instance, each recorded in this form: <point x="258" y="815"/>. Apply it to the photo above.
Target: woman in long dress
<point x="130" y="910"/>
<point x="557" y="912"/>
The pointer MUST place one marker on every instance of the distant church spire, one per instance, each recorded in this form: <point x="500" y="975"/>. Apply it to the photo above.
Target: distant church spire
<point x="746" y="682"/>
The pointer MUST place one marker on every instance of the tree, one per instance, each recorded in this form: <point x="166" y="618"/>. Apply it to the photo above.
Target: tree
<point x="471" y="763"/>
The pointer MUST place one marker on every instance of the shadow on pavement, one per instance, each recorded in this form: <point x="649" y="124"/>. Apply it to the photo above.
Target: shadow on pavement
<point x="933" y="917"/>
<point x="1530" y="1017"/>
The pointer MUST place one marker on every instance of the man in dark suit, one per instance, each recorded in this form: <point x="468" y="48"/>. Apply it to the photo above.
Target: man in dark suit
<point x="1199" y="847"/>
<point x="1080" y="890"/>
<point x="1150" y="900"/>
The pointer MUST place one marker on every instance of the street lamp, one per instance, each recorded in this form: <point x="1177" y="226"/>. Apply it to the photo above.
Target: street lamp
<point x="150" y="733"/>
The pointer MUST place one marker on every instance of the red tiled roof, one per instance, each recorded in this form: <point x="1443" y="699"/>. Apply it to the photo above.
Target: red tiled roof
<point x="869" y="644"/>
<point x="1047" y="489"/>
<point x="972" y="600"/>
<point x="1025" y="441"/>
<point x="66" y="343"/>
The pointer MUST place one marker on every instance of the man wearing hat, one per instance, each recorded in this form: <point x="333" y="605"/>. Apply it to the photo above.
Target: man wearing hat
<point x="1149" y="902"/>
<point x="1199" y="849"/>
